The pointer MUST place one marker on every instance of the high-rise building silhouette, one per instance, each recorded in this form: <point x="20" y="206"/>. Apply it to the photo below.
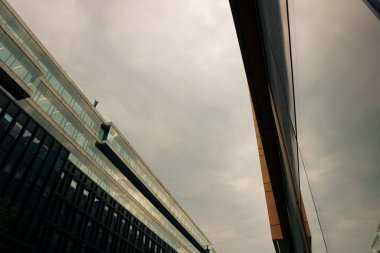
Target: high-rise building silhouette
<point x="264" y="36"/>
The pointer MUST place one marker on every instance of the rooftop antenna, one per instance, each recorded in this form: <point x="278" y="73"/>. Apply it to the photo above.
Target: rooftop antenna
<point x="96" y="102"/>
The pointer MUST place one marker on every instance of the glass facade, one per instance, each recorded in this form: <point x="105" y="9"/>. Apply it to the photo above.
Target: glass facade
<point x="280" y="74"/>
<point x="278" y="56"/>
<point x="59" y="101"/>
<point x="263" y="31"/>
<point x="54" y="206"/>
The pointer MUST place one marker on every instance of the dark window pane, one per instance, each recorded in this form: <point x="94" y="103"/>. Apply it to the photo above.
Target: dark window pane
<point x="5" y="122"/>
<point x="109" y="242"/>
<point x="3" y="100"/>
<point x="76" y="223"/>
<point x="34" y="145"/>
<point x="43" y="151"/>
<point x="16" y="129"/>
<point x="71" y="191"/>
<point x="88" y="230"/>
<point x="69" y="246"/>
<point x="63" y="214"/>
<point x="73" y="185"/>
<point x="52" y="245"/>
<point x="95" y="206"/>
<point x="26" y="137"/>
<point x="99" y="237"/>
<point x="84" y="198"/>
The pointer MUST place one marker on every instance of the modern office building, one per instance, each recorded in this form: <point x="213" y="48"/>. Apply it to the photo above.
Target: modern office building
<point x="69" y="180"/>
<point x="264" y="36"/>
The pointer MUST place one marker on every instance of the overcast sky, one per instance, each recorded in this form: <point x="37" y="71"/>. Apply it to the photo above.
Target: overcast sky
<point x="338" y="86"/>
<point x="169" y="74"/>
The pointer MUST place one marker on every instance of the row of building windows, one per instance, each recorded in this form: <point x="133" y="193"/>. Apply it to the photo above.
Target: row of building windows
<point x="52" y="73"/>
<point x="46" y="101"/>
<point x="55" y="205"/>
<point x="16" y="61"/>
<point x="97" y="218"/>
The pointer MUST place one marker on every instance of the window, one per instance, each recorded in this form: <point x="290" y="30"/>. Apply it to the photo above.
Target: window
<point x="69" y="128"/>
<point x="63" y="213"/>
<point x="100" y="236"/>
<point x="76" y="223"/>
<point x="53" y="242"/>
<point x="70" y="194"/>
<point x="66" y="96"/>
<point x="60" y="160"/>
<point x="44" y="103"/>
<point x="114" y="221"/>
<point x="43" y="152"/>
<point x="34" y="145"/>
<point x="122" y="227"/>
<point x="105" y="213"/>
<point x="109" y="244"/>
<point x="69" y="246"/>
<point x="16" y="129"/>
<point x="73" y="185"/>
<point x="80" y="139"/>
<point x="57" y="116"/>
<point x="54" y="82"/>
<point x="5" y="121"/>
<point x="95" y="206"/>
<point x="130" y="231"/>
<point x="84" y="197"/>
<point x="88" y="230"/>
<point x="137" y="236"/>
<point x="26" y="137"/>
<point x="88" y="120"/>
<point x="77" y="108"/>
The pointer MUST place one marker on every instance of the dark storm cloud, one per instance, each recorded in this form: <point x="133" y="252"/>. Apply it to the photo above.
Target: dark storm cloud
<point x="170" y="75"/>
